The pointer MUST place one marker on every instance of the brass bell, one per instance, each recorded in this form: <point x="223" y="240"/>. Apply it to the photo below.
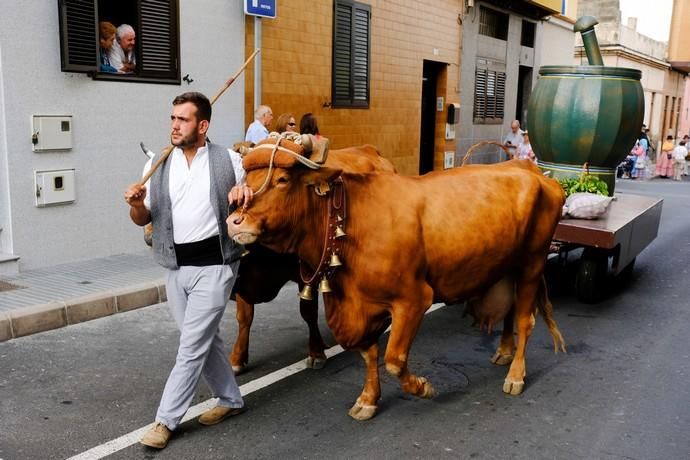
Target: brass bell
<point x="335" y="261"/>
<point x="339" y="218"/>
<point x="339" y="232"/>
<point x="324" y="286"/>
<point x="305" y="293"/>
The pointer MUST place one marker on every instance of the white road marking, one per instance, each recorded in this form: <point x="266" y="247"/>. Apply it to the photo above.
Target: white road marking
<point x="133" y="437"/>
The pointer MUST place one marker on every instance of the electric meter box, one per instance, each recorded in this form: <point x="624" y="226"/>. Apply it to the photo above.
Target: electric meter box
<point x="51" y="133"/>
<point x="54" y="187"/>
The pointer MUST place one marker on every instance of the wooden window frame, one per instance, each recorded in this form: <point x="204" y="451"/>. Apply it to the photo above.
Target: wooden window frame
<point x="157" y="44"/>
<point x="351" y="66"/>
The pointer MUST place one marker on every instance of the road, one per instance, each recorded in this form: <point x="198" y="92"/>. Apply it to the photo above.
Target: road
<point x="621" y="391"/>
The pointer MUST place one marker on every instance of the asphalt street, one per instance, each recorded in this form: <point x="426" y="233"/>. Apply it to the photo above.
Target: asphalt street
<point x="621" y="391"/>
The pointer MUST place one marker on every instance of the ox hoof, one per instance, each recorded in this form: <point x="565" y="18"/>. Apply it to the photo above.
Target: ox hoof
<point x="428" y="391"/>
<point x="362" y="411"/>
<point x="501" y="359"/>
<point x="314" y="362"/>
<point x="238" y="369"/>
<point x="513" y="388"/>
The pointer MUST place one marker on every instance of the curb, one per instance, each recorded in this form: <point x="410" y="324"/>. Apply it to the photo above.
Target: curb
<point x="53" y="315"/>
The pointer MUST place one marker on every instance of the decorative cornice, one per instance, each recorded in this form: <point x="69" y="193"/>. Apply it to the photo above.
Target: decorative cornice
<point x="622" y="51"/>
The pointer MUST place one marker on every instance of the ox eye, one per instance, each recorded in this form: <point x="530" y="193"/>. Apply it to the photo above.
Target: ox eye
<point x="282" y="180"/>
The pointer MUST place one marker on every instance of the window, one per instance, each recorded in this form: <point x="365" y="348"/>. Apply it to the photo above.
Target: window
<point x="493" y="23"/>
<point x="489" y="95"/>
<point x="156" y="25"/>
<point x="528" y="32"/>
<point x="351" y="24"/>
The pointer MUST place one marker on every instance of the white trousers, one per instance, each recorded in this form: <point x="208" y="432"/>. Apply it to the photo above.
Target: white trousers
<point x="197" y="297"/>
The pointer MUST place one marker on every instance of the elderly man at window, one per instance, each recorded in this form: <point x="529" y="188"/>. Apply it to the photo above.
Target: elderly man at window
<point x="121" y="54"/>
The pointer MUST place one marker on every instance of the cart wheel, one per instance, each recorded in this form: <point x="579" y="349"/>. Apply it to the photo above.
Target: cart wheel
<point x="591" y="274"/>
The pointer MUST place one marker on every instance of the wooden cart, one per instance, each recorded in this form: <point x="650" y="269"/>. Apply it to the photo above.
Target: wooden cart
<point x="610" y="243"/>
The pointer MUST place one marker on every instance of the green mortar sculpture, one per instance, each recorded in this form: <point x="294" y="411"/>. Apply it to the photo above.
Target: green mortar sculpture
<point x="585" y="114"/>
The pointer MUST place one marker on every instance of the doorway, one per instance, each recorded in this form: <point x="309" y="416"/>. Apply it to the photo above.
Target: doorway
<point x="524" y="91"/>
<point x="430" y="77"/>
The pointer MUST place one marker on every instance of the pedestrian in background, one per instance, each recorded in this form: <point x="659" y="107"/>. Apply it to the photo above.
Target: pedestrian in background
<point x="664" y="161"/>
<point x="258" y="129"/>
<point x="524" y="149"/>
<point x="308" y="125"/>
<point x="640" y="161"/>
<point x="679" y="154"/>
<point x="285" y="122"/>
<point x="513" y="139"/>
<point x="187" y="205"/>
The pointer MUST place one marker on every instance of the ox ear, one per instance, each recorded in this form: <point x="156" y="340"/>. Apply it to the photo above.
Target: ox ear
<point x="323" y="175"/>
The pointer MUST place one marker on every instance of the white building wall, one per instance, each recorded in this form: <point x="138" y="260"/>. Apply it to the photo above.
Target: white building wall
<point x="557" y="40"/>
<point x="109" y="120"/>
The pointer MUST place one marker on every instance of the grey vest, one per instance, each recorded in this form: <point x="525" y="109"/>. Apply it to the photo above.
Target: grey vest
<point x="222" y="180"/>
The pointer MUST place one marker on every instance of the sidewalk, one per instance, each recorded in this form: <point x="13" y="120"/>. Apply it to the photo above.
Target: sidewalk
<point x="57" y="296"/>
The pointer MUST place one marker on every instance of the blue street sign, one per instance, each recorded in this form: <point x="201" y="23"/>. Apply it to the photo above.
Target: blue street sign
<point x="263" y="8"/>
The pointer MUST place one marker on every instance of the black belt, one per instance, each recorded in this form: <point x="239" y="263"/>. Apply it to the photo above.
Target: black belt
<point x="200" y="253"/>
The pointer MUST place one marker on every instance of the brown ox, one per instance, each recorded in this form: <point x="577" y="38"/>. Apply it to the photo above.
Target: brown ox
<point x="263" y="273"/>
<point x="445" y="236"/>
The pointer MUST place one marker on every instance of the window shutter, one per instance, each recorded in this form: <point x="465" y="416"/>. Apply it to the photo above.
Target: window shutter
<point x="351" y="25"/>
<point x="158" y="40"/>
<point x="360" y="61"/>
<point x="78" y="35"/>
<point x="342" y="56"/>
<point x="489" y="95"/>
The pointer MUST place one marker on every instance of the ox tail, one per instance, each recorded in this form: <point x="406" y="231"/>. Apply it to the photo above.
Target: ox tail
<point x="545" y="307"/>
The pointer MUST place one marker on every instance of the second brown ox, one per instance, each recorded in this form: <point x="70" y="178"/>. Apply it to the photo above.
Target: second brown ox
<point x="445" y="236"/>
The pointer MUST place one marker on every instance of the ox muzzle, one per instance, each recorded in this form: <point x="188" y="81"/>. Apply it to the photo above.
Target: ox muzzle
<point x="239" y="228"/>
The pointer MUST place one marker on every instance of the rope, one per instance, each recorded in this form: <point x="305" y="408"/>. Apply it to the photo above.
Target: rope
<point x="482" y="144"/>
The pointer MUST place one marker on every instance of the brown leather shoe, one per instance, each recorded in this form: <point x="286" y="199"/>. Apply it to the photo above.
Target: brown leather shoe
<point x="157" y="437"/>
<point x="218" y="414"/>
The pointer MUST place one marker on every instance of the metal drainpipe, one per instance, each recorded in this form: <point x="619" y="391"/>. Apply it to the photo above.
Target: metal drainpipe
<point x="257" y="63"/>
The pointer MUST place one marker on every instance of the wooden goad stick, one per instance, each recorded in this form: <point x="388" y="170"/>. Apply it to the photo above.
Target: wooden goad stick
<point x="168" y="149"/>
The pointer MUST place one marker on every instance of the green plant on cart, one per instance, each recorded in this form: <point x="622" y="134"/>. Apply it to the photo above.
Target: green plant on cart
<point x="585" y="182"/>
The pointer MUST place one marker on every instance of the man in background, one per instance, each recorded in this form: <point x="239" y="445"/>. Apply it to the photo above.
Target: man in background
<point x="513" y="139"/>
<point x="258" y="130"/>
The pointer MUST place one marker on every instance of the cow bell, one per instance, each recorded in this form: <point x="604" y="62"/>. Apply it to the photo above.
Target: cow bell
<point x="324" y="286"/>
<point x="339" y="218"/>
<point x="305" y="293"/>
<point x="339" y="232"/>
<point x="335" y="261"/>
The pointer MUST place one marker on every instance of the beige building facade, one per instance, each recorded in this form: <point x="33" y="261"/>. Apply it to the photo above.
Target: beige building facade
<point x="679" y="56"/>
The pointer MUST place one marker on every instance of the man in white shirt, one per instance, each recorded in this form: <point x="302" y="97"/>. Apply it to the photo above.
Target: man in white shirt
<point x="679" y="154"/>
<point x="187" y="202"/>
<point x="513" y="139"/>
<point x="121" y="54"/>
<point x="258" y="130"/>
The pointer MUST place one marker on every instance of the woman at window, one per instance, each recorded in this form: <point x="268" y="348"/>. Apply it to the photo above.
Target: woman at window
<point x="106" y="38"/>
